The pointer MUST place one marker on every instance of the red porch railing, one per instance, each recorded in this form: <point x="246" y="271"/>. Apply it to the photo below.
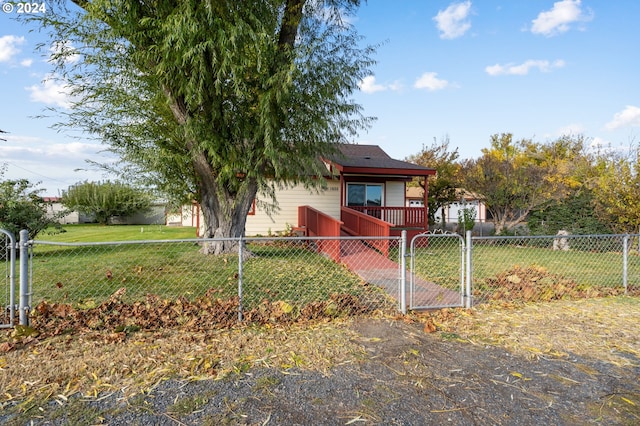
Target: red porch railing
<point x="402" y="217"/>
<point x="361" y="224"/>
<point x="317" y="224"/>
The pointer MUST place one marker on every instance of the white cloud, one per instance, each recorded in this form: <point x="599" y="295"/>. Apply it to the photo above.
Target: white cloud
<point x="26" y="63"/>
<point x="74" y="149"/>
<point x="559" y="19"/>
<point x="34" y="148"/>
<point x="452" y="22"/>
<point x="369" y="85"/>
<point x="51" y="92"/>
<point x="431" y="82"/>
<point x="524" y="68"/>
<point x="9" y="47"/>
<point x="629" y="117"/>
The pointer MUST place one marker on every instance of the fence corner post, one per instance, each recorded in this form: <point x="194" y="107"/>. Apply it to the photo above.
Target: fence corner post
<point x="468" y="270"/>
<point x="403" y="272"/>
<point x="24" y="277"/>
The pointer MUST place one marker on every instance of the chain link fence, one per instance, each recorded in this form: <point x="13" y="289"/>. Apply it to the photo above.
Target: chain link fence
<point x="535" y="269"/>
<point x="153" y="284"/>
<point x="167" y="283"/>
<point x="7" y="295"/>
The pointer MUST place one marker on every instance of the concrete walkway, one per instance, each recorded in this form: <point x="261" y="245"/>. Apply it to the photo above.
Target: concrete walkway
<point x="377" y="269"/>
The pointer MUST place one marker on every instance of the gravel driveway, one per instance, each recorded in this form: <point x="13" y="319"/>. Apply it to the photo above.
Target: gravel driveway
<point x="404" y="376"/>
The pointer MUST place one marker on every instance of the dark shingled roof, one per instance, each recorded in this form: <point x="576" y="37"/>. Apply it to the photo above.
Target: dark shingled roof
<point x="372" y="157"/>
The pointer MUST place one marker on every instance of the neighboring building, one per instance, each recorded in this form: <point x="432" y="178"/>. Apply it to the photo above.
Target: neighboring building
<point x="54" y="207"/>
<point x="154" y="216"/>
<point x="415" y="196"/>
<point x="364" y="184"/>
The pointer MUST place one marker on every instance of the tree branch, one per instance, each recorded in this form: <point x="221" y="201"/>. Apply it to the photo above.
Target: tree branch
<point x="290" y="23"/>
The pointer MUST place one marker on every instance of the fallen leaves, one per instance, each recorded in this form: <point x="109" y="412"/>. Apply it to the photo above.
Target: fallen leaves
<point x="120" y="318"/>
<point x="536" y="284"/>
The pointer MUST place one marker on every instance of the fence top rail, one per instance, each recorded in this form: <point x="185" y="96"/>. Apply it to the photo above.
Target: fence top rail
<point x="316" y="238"/>
<point x="207" y="240"/>
<point x="539" y="237"/>
<point x="131" y="242"/>
<point x="12" y="238"/>
<point x="438" y="235"/>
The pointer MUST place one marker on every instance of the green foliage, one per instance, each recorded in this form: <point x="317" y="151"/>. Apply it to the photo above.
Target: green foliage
<point x="616" y="188"/>
<point x="517" y="177"/>
<point x="466" y="219"/>
<point x="106" y="200"/>
<point x="213" y="101"/>
<point x="574" y="214"/>
<point x="442" y="187"/>
<point x="21" y="207"/>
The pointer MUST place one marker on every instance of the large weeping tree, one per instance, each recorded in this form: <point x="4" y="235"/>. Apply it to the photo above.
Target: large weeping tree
<point x="215" y="100"/>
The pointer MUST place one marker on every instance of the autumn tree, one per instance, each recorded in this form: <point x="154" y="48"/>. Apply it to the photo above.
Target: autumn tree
<point x="616" y="188"/>
<point x="443" y="187"/>
<point x="515" y="178"/>
<point x="212" y="100"/>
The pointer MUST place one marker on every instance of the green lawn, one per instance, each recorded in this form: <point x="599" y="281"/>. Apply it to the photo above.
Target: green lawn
<point x="94" y="233"/>
<point x="89" y="270"/>
<point x="440" y="261"/>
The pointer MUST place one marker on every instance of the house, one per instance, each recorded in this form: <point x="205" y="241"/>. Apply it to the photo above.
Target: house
<point x="364" y="196"/>
<point x="467" y="199"/>
<point x="155" y="215"/>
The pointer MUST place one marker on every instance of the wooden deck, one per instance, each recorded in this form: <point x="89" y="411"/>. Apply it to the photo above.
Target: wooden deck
<point x="379" y="270"/>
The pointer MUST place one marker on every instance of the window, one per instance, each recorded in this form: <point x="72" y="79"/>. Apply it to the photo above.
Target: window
<point x="364" y="194"/>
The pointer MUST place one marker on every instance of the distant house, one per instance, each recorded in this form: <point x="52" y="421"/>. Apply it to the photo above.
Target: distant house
<point x="365" y="195"/>
<point x="415" y="196"/>
<point x="54" y="207"/>
<point x="154" y="216"/>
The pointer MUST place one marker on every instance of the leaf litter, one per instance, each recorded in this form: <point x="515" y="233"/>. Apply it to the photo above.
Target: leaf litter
<point x="115" y="349"/>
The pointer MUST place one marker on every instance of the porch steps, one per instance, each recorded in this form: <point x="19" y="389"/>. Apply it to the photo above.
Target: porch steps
<point x="377" y="269"/>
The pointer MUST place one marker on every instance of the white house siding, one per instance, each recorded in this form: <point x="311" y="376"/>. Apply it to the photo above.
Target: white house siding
<point x="454" y="208"/>
<point x="54" y="208"/>
<point x="394" y="194"/>
<point x="327" y="201"/>
<point x="187" y="216"/>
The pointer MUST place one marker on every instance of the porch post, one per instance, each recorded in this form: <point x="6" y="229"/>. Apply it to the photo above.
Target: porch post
<point x="425" y="225"/>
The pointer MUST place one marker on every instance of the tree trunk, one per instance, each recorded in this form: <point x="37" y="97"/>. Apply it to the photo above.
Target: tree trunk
<point x="224" y="207"/>
<point x="225" y="217"/>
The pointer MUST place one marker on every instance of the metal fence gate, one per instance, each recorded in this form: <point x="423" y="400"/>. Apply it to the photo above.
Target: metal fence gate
<point x="8" y="297"/>
<point x="437" y="271"/>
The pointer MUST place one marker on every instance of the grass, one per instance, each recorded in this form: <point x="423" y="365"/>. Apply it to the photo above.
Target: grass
<point x="440" y="262"/>
<point x="83" y="233"/>
<point x="87" y="273"/>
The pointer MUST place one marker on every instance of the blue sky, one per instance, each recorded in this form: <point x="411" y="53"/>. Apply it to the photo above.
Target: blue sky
<point x="466" y="69"/>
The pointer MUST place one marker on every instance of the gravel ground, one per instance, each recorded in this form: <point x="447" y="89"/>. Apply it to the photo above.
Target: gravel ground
<point x="404" y="377"/>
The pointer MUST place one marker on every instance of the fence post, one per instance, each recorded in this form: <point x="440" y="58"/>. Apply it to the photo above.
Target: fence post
<point x="403" y="272"/>
<point x="468" y="270"/>
<point x="12" y="280"/>
<point x="240" y="260"/>
<point x="24" y="277"/>
<point x="625" y="261"/>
